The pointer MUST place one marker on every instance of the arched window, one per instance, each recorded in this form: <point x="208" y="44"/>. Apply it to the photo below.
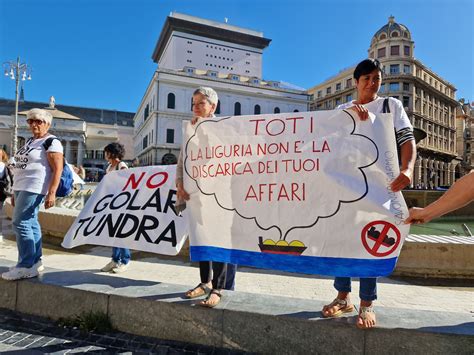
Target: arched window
<point x="218" y="108"/>
<point x="237" y="109"/>
<point x="171" y="100"/>
<point x="296" y="110"/>
<point x="395" y="34"/>
<point x="256" y="110"/>
<point x="276" y="110"/>
<point x="383" y="36"/>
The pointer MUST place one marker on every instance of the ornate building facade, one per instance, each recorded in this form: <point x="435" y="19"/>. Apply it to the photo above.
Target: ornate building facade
<point x="429" y="101"/>
<point x="465" y="136"/>
<point x="193" y="52"/>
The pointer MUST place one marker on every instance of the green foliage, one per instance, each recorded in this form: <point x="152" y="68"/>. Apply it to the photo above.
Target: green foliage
<point x="88" y="322"/>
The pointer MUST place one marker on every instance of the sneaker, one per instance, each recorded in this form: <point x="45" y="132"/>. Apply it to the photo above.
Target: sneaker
<point x="120" y="268"/>
<point x="38" y="266"/>
<point x="110" y="266"/>
<point x="20" y="273"/>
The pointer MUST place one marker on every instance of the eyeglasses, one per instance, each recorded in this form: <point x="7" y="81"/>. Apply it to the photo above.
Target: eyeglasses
<point x="36" y="122"/>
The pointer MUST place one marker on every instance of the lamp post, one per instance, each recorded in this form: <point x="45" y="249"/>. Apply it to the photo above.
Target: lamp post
<point x="15" y="70"/>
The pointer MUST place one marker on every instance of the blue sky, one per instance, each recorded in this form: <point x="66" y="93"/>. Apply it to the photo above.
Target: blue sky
<point x="97" y="53"/>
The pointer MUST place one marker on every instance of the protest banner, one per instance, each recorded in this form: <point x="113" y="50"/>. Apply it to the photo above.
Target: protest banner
<point x="132" y="208"/>
<point x="300" y="192"/>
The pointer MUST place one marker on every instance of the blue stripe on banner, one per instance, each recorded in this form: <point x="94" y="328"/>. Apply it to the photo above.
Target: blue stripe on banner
<point x="344" y="267"/>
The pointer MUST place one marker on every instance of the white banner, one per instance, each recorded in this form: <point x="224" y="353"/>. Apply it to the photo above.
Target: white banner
<point x="302" y="192"/>
<point x="132" y="208"/>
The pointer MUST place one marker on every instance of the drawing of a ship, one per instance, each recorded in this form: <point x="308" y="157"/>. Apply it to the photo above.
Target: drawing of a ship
<point x="295" y="247"/>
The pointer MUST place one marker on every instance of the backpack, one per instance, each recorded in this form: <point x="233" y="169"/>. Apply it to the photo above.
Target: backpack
<point x="6" y="184"/>
<point x="66" y="183"/>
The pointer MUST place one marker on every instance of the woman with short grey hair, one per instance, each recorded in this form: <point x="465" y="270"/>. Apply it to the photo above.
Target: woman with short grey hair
<point x="37" y="172"/>
<point x="215" y="276"/>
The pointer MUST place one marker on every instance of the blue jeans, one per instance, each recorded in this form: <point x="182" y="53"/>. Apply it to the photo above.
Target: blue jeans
<point x="27" y="228"/>
<point x="367" y="290"/>
<point x="121" y="255"/>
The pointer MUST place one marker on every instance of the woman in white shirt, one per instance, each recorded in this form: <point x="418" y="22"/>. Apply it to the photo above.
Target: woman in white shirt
<point x="3" y="180"/>
<point x="37" y="172"/>
<point x="368" y="78"/>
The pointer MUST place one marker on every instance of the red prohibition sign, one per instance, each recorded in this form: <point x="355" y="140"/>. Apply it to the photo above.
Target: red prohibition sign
<point x="370" y="232"/>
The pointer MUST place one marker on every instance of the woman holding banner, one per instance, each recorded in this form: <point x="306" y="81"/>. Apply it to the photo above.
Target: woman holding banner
<point x="368" y="78"/>
<point x="114" y="153"/>
<point x="37" y="172"/>
<point x="215" y="276"/>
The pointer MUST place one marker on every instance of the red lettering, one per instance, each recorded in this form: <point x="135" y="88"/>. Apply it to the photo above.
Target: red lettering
<point x="164" y="178"/>
<point x="133" y="181"/>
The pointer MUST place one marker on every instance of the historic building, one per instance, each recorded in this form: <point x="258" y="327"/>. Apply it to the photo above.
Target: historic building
<point x="465" y="136"/>
<point x="429" y="101"/>
<point x="193" y="52"/>
<point x="84" y="132"/>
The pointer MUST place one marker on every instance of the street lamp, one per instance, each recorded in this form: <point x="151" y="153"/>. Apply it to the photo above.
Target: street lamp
<point x="16" y="70"/>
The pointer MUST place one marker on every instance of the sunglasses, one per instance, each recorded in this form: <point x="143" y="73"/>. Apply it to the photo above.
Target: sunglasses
<point x="36" y="122"/>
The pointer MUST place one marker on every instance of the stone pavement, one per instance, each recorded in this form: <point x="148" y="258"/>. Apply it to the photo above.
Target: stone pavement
<point x="22" y="334"/>
<point x="269" y="311"/>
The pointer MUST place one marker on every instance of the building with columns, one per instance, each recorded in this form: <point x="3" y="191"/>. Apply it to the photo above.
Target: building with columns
<point x="465" y="136"/>
<point x="429" y="101"/>
<point x="84" y="132"/>
<point x="193" y="52"/>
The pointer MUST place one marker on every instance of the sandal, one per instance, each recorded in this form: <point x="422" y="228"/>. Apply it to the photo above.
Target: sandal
<point x="366" y="314"/>
<point x="207" y="301"/>
<point x="343" y="306"/>
<point x="198" y="291"/>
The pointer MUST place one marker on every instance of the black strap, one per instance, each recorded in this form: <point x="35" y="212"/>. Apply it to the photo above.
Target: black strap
<point x="47" y="143"/>
<point x="386" y="106"/>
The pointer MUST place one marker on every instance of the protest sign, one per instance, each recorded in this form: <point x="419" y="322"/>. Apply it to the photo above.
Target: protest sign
<point x="301" y="192"/>
<point x="132" y="208"/>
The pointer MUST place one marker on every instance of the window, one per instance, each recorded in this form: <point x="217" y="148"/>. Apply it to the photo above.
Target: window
<point x="348" y="83"/>
<point x="338" y="86"/>
<point x="406" y="50"/>
<point x="381" y="52"/>
<point x="382" y="87"/>
<point x="145" y="142"/>
<point x="256" y="110"/>
<point x="276" y="110"/>
<point x="237" y="109"/>
<point x="406" y="87"/>
<point x="170" y="135"/>
<point x="218" y="108"/>
<point x="146" y="113"/>
<point x="371" y="55"/>
<point x="394" y="68"/>
<point x="171" y="100"/>
<point x="383" y="36"/>
<point x="395" y="50"/>
<point x="328" y="90"/>
<point x="338" y="101"/>
<point x="406" y="101"/>
<point x="394" y="87"/>
<point x="320" y="93"/>
<point x="349" y="98"/>
<point x="394" y="34"/>
<point x="406" y="69"/>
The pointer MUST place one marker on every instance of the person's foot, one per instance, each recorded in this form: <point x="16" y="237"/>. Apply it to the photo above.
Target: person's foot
<point x="200" y="290"/>
<point x="212" y="299"/>
<point x="111" y="265"/>
<point x="366" y="318"/>
<point x="120" y="268"/>
<point x="337" y="308"/>
<point x="18" y="273"/>
<point x="39" y="266"/>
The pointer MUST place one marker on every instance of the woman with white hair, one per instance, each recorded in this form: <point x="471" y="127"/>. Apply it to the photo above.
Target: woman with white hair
<point x="37" y="172"/>
<point x="215" y="276"/>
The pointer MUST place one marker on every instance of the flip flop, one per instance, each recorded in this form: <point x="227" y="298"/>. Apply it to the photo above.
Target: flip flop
<point x="364" y="314"/>
<point x="198" y="291"/>
<point x="344" y="307"/>
<point x="205" y="302"/>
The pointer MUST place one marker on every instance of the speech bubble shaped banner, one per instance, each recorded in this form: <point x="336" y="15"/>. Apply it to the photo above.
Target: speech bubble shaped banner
<point x="285" y="185"/>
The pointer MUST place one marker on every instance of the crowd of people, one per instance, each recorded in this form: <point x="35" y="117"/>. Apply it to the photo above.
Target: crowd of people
<point x="38" y="168"/>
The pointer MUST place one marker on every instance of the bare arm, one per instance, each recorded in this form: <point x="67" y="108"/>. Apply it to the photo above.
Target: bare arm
<point x="459" y="195"/>
<point x="56" y="162"/>
<point x="407" y="157"/>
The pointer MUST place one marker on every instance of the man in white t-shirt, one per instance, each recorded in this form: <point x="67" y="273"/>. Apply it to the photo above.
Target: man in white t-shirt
<point x="37" y="172"/>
